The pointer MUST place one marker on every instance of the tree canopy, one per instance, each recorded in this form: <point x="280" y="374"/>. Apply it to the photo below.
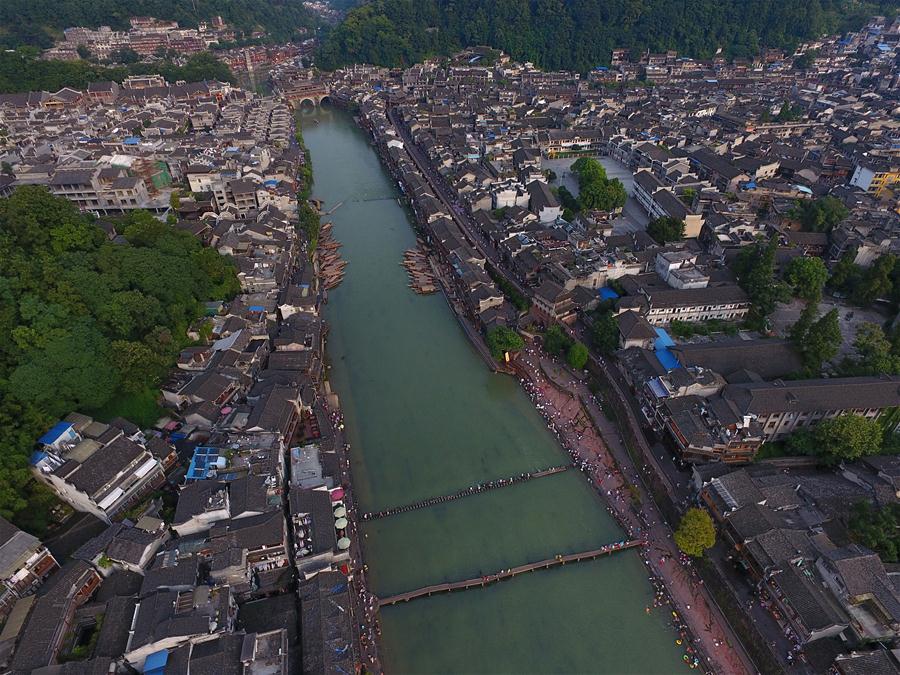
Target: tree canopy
<point x="817" y="341"/>
<point x="556" y="342"/>
<point x="605" y="332"/>
<point x="577" y="356"/>
<point x="695" y="532"/>
<point x="21" y="70"/>
<point x="596" y="190"/>
<point x="83" y="319"/>
<point x="580" y="34"/>
<point x="819" y="215"/>
<point x="845" y="437"/>
<point x="755" y="270"/>
<point x="502" y="340"/>
<point x="876" y="353"/>
<point x="807" y="277"/>
<point x="38" y="22"/>
<point x="665" y="229"/>
<point x="865" y="285"/>
<point x="877" y="529"/>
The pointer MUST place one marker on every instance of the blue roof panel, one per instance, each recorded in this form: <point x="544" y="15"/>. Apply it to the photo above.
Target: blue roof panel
<point x="606" y="293"/>
<point x="662" y="343"/>
<point x="55" y="432"/>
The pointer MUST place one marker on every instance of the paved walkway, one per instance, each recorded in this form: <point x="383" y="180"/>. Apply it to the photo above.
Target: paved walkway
<point x="573" y="413"/>
<point x="364" y="609"/>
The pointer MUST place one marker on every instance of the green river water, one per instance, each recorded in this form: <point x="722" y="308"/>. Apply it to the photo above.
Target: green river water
<point x="426" y="417"/>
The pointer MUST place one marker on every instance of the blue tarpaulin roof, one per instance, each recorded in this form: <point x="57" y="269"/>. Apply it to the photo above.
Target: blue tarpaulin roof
<point x="606" y="293"/>
<point x="53" y="435"/>
<point x="155" y="663"/>
<point x="132" y="140"/>
<point x="257" y="308"/>
<point x="37" y="456"/>
<point x="658" y="388"/>
<point x="202" y="459"/>
<point x="662" y="344"/>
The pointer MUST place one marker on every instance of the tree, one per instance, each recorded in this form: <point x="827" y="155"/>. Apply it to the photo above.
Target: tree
<point x="593" y="196"/>
<point x="125" y="55"/>
<point x="755" y="270"/>
<point x="820" y="215"/>
<point x="139" y="366"/>
<point x="806" y="59"/>
<point x="67" y="373"/>
<point x="556" y="342"/>
<point x="665" y="229"/>
<point x="846" y="274"/>
<point x="820" y="343"/>
<point x="807" y="276"/>
<point x="789" y="113"/>
<point x="845" y="437"/>
<point x="84" y="321"/>
<point x="596" y="191"/>
<point x="309" y="226"/>
<point x="875" y="353"/>
<point x="568" y="200"/>
<point x="573" y="34"/>
<point x="877" y="529"/>
<point x="501" y="341"/>
<point x="589" y="171"/>
<point x="695" y="532"/>
<point x="605" y="333"/>
<point x="876" y="282"/>
<point x="577" y="356"/>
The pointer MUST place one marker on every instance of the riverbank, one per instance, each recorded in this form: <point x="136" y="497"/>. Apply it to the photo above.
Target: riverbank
<point x="713" y="645"/>
<point x="424" y="417"/>
<point x="322" y="258"/>
<point x="575" y="415"/>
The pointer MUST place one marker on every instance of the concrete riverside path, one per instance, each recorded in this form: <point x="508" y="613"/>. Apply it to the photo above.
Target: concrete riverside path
<point x="475" y="582"/>
<point x="584" y="428"/>
<point x="468" y="492"/>
<point x="723" y="651"/>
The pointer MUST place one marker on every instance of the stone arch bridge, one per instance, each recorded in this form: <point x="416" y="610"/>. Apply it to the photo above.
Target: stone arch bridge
<point x="308" y="93"/>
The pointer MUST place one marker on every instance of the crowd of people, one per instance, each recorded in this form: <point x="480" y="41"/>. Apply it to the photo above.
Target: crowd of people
<point x="557" y="401"/>
<point x="365" y="609"/>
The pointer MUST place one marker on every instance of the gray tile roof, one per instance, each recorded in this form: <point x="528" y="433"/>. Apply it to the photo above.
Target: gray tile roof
<point x="815" y="395"/>
<point x="15" y="548"/>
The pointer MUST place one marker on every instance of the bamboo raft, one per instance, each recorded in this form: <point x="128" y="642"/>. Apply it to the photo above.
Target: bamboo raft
<point x="331" y="265"/>
<point x="421" y="279"/>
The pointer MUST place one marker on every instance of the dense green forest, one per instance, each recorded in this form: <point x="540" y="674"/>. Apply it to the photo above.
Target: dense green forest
<point x="85" y="321"/>
<point x="579" y="34"/>
<point x="21" y="70"/>
<point x="39" y="22"/>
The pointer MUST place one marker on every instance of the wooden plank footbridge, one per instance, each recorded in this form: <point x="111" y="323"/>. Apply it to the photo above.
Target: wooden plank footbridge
<point x="425" y="591"/>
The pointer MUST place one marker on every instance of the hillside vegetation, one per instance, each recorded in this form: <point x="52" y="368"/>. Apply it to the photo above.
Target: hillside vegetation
<point x="85" y="321"/>
<point x="21" y="70"/>
<point x="39" y="22"/>
<point x="579" y="34"/>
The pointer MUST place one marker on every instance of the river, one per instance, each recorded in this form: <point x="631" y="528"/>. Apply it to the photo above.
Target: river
<point x="425" y="417"/>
